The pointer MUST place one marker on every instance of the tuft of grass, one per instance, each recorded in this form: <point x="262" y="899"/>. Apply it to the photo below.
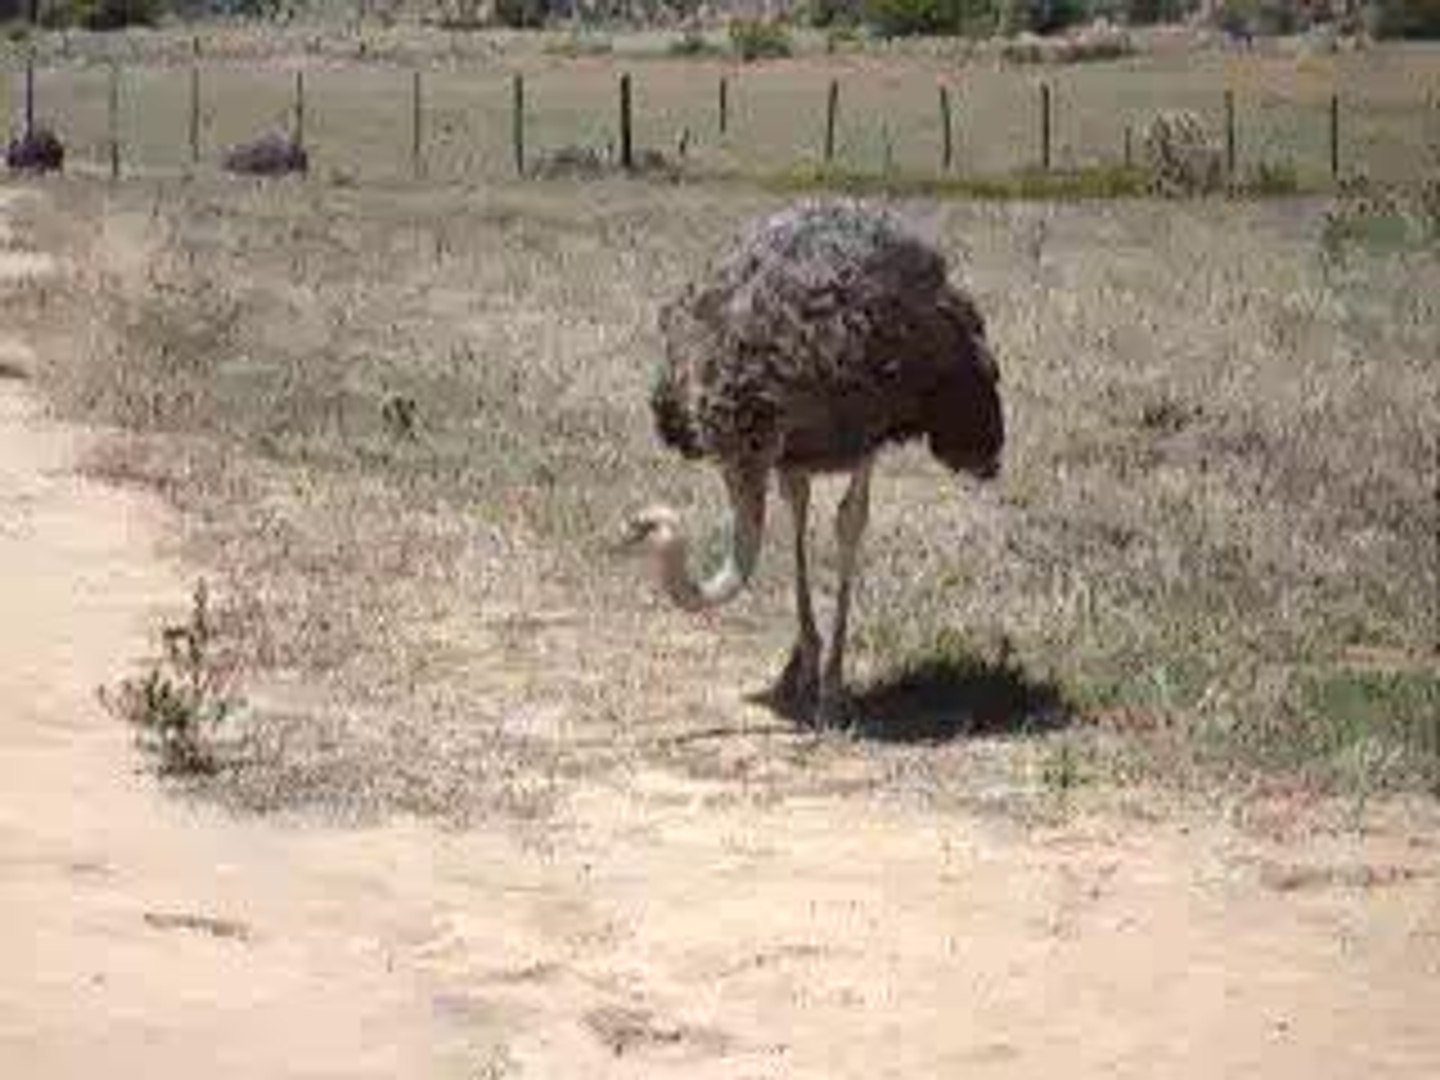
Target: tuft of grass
<point x="179" y="705"/>
<point x="1272" y="178"/>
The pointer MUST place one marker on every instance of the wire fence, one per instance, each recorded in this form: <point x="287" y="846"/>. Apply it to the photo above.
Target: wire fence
<point x="490" y="121"/>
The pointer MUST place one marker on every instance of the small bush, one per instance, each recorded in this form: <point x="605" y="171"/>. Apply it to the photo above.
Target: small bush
<point x="757" y="39"/>
<point x="178" y="706"/>
<point x="1418" y="19"/>
<point x="1042" y="16"/>
<point x="904" y="18"/>
<point x="693" y="43"/>
<point x="1151" y="12"/>
<point x="101" y="15"/>
<point x="522" y="14"/>
<point x="1274" y="178"/>
<point x="1268" y="17"/>
<point x="828" y="13"/>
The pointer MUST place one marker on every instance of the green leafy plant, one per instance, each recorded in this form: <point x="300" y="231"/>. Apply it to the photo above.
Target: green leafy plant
<point x="179" y="704"/>
<point x="759" y="39"/>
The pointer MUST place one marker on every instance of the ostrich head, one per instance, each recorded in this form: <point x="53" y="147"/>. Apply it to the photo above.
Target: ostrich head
<point x="655" y="529"/>
<point x="965" y="420"/>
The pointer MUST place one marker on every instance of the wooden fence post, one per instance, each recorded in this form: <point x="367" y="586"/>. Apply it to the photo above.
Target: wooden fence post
<point x="300" y="107"/>
<point x="832" y="106"/>
<point x="517" y="123"/>
<point x="1045" y="107"/>
<point x="1335" y="136"/>
<point x="1129" y="148"/>
<point x="627" y="149"/>
<point x="194" y="114"/>
<point x="1230" y="134"/>
<point x="114" y="119"/>
<point x="724" y="104"/>
<point x="417" y="143"/>
<point x="30" y="93"/>
<point x="947" y="145"/>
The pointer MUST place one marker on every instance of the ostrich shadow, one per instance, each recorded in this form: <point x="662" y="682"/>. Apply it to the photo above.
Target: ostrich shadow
<point x="940" y="698"/>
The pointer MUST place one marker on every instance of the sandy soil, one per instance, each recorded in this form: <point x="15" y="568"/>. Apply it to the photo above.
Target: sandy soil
<point x="670" y="928"/>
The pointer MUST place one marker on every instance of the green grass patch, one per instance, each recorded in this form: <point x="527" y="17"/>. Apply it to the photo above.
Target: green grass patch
<point x="1097" y="182"/>
<point x="1397" y="707"/>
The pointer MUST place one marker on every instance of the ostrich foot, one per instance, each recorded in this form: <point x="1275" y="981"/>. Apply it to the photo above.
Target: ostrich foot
<point x="799" y="684"/>
<point x="832" y="708"/>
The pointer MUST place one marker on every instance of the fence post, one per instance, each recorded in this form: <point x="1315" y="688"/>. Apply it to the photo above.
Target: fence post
<point x="1335" y="136"/>
<point x="517" y="123"/>
<point x="1129" y="148"/>
<point x="194" y="114"/>
<point x="947" y="146"/>
<point x="30" y="94"/>
<point x="1230" y="134"/>
<point x="1045" y="107"/>
<point x="832" y="106"/>
<point x="724" y="104"/>
<point x="114" y="114"/>
<point x="300" y="107"/>
<point x="417" y="146"/>
<point x="627" y="149"/>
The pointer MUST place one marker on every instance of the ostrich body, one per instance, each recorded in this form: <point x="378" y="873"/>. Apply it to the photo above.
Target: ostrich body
<point x="38" y="151"/>
<point x="269" y="155"/>
<point x="827" y="334"/>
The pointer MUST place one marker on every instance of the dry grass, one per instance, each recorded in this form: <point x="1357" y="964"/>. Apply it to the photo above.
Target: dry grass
<point x="889" y="122"/>
<point x="1212" y="556"/>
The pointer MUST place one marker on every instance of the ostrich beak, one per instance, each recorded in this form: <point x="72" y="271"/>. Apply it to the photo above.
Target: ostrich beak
<point x="632" y="535"/>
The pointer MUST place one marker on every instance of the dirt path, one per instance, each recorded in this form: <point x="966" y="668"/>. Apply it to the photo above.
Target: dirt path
<point x="671" y="928"/>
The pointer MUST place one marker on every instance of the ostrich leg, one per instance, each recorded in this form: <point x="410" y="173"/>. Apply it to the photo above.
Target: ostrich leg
<point x="850" y="522"/>
<point x="801" y="678"/>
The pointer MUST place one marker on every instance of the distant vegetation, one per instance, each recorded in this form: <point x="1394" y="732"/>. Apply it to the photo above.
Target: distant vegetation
<point x="884" y="18"/>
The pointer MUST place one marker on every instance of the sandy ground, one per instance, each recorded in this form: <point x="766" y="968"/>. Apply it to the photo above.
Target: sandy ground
<point x="670" y="928"/>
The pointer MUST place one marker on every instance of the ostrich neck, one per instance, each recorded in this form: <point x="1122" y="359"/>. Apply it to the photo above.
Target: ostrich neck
<point x="691" y="593"/>
<point x="747" y="504"/>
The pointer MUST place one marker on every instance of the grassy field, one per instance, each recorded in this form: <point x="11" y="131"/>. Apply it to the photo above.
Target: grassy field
<point x="359" y="106"/>
<point x="1212" y="558"/>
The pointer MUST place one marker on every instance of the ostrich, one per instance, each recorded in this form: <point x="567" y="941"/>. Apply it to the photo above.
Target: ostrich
<point x="269" y="155"/>
<point x="39" y="150"/>
<point x="828" y="333"/>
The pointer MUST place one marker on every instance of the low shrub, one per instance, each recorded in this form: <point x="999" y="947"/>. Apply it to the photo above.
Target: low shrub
<point x="759" y="39"/>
